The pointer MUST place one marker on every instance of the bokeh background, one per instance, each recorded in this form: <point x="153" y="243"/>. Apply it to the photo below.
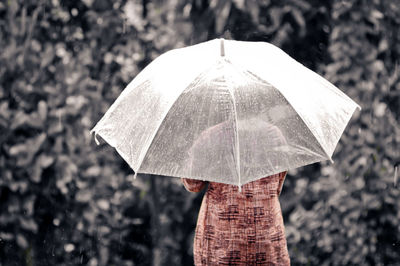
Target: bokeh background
<point x="66" y="201"/>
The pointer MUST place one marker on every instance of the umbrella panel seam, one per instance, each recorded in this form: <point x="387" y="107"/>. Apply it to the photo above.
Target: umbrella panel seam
<point x="298" y="113"/>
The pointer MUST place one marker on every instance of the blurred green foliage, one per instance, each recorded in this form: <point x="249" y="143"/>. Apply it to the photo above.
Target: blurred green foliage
<point x="66" y="201"/>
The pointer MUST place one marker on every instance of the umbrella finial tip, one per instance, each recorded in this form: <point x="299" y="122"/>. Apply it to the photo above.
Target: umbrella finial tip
<point x="222" y="47"/>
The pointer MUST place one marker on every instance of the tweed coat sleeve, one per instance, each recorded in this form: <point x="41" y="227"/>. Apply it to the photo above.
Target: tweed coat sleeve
<point x="193" y="185"/>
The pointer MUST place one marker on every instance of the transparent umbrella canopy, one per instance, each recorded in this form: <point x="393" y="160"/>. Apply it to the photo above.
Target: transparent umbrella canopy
<point x="225" y="111"/>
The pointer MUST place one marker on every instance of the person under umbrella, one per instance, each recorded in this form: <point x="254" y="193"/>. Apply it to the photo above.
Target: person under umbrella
<point x="239" y="226"/>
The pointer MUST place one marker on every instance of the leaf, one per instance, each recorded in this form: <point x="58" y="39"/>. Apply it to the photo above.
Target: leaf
<point x="92" y="171"/>
<point x="221" y="10"/>
<point x="47" y="56"/>
<point x="28" y="224"/>
<point x="88" y="3"/>
<point x="379" y="109"/>
<point x="13" y="8"/>
<point x="22" y="242"/>
<point x="28" y="205"/>
<point x="298" y="16"/>
<point x="42" y="162"/>
<point x="133" y="12"/>
<point x="75" y="103"/>
<point x="5" y="112"/>
<point x="240" y="4"/>
<point x="6" y="236"/>
<point x="56" y="125"/>
<point x="69" y="247"/>
<point x="31" y="120"/>
<point x="83" y="195"/>
<point x="42" y="110"/>
<point x="26" y="151"/>
<point x="103" y="204"/>
<point x="249" y="6"/>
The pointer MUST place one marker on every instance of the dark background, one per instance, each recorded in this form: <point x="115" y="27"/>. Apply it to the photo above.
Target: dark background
<point x="66" y="201"/>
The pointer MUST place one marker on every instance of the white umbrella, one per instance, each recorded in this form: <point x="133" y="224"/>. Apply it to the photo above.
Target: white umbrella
<point x="225" y="111"/>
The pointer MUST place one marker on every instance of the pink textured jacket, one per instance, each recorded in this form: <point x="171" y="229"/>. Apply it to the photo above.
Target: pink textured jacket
<point x="240" y="228"/>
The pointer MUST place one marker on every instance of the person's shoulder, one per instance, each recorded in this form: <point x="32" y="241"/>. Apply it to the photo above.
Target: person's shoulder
<point x="269" y="178"/>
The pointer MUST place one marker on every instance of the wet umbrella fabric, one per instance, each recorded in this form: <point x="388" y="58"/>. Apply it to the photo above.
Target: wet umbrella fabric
<point x="225" y="111"/>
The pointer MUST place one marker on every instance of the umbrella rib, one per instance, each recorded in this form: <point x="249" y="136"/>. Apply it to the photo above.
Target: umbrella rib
<point x="144" y="151"/>
<point x="236" y="137"/>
